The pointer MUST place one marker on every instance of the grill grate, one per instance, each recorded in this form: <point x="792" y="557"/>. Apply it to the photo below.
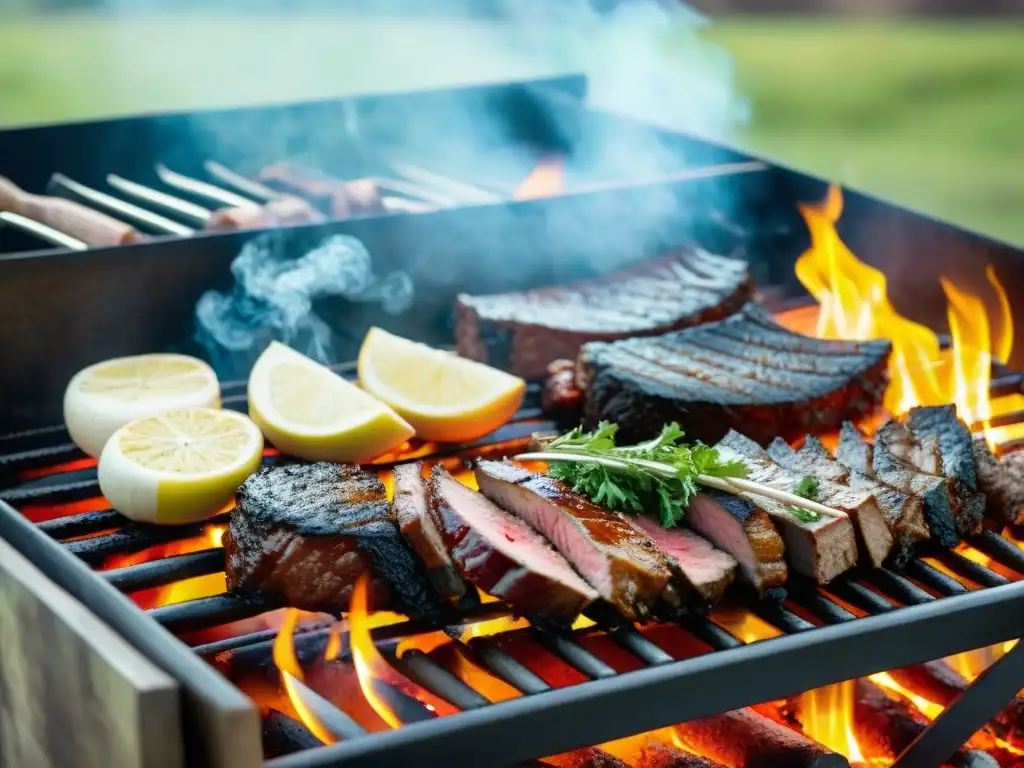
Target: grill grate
<point x="42" y="469"/>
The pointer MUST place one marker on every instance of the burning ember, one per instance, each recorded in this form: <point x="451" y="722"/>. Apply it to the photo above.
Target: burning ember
<point x="854" y="304"/>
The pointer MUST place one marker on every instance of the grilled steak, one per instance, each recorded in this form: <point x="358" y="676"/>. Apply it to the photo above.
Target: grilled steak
<point x="623" y="565"/>
<point x="903" y="515"/>
<point x="524" y="332"/>
<point x="744" y="372"/>
<point x="502" y="555"/>
<point x="826" y="547"/>
<point x="302" y="533"/>
<point x="956" y="459"/>
<point x="561" y="399"/>
<point x="854" y="451"/>
<point x="736" y="526"/>
<point x="893" y="457"/>
<point x="695" y="563"/>
<point x="1002" y="482"/>
<point x="410" y="512"/>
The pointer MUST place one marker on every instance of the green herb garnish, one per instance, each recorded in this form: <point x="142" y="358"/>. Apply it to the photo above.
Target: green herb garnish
<point x="661" y="473"/>
<point x="807" y="488"/>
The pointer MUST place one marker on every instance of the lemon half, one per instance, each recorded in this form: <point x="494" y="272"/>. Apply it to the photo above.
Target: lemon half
<point x="179" y="466"/>
<point x="308" y="411"/>
<point x="445" y="397"/>
<point x="104" y="397"/>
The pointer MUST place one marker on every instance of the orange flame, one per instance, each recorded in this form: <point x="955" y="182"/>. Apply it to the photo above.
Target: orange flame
<point x="288" y="664"/>
<point x="826" y="715"/>
<point x="854" y="304"/>
<point x="369" y="663"/>
<point x="546" y="180"/>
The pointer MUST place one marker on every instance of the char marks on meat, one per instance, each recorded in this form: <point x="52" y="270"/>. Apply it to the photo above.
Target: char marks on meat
<point x="696" y="564"/>
<point x="526" y="331"/>
<point x="744" y="372"/>
<point x="824" y="548"/>
<point x="903" y="515"/>
<point x="941" y="425"/>
<point x="854" y="451"/>
<point x="410" y="512"/>
<point x="1002" y="482"/>
<point x="502" y="555"/>
<point x="745" y="532"/>
<point x="893" y="460"/>
<point x="302" y="534"/>
<point x="625" y="567"/>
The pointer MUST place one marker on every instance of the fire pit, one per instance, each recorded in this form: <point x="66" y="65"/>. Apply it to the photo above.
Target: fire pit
<point x="483" y="687"/>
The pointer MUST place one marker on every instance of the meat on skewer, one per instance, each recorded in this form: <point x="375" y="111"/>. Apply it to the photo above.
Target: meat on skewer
<point x="341" y="199"/>
<point x="78" y="221"/>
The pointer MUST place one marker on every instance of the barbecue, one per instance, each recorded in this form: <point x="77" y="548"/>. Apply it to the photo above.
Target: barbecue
<point x="692" y="638"/>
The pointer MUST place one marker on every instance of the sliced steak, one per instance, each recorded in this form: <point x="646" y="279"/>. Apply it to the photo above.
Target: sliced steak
<point x="956" y="459"/>
<point x="524" y="332"/>
<point x="502" y="555"/>
<point x="625" y="567"/>
<point x="302" y="534"/>
<point x="695" y="563"/>
<point x="409" y="510"/>
<point x="826" y="547"/>
<point x="1002" y="482"/>
<point x="854" y="451"/>
<point x="744" y="372"/>
<point x="903" y="515"/>
<point x="892" y="460"/>
<point x="747" y="533"/>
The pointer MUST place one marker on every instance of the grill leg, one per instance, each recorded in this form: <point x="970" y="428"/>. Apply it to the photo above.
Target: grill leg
<point x="968" y="713"/>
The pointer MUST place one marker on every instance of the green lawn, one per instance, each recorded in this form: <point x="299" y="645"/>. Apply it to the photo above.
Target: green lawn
<point x="930" y="115"/>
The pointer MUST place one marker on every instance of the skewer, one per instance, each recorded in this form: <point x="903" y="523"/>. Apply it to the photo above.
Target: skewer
<point x="42" y="231"/>
<point x="463" y="192"/>
<point x="244" y="184"/>
<point x="733" y="485"/>
<point x="196" y="213"/>
<point x="62" y="183"/>
<point x="202" y="189"/>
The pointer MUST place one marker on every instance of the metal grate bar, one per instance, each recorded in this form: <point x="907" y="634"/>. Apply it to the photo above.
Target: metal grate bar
<point x="932" y="577"/>
<point x="820" y="605"/>
<point x="998" y="548"/>
<point x="157" y="573"/>
<point x="40" y="458"/>
<point x="782" y="618"/>
<point x="206" y="612"/>
<point x="705" y="630"/>
<point x="137" y="538"/>
<point x="857" y="594"/>
<point x="72" y="526"/>
<point x="644" y="649"/>
<point x="53" y="493"/>
<point x="573" y="654"/>
<point x="899" y="586"/>
<point x="421" y="669"/>
<point x="505" y="667"/>
<point x="969" y="569"/>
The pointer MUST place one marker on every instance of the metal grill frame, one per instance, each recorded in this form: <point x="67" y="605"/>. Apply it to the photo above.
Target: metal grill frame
<point x="610" y="705"/>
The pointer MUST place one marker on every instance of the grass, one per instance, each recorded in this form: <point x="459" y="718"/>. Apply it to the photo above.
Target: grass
<point x="930" y="115"/>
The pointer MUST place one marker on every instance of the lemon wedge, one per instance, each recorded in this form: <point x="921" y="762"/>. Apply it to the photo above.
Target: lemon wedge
<point x="445" y="397"/>
<point x="308" y="411"/>
<point x="104" y="397"/>
<point x="179" y="466"/>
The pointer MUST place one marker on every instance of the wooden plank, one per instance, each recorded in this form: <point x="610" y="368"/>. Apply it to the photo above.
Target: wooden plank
<point x="73" y="693"/>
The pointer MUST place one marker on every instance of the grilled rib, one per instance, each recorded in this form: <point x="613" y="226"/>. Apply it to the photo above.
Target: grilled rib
<point x="827" y="547"/>
<point x="526" y="331"/>
<point x="302" y="534"/>
<point x="625" y="567"/>
<point x="744" y="372"/>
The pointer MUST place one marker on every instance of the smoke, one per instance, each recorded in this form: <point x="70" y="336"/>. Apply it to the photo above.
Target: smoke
<point x="273" y="298"/>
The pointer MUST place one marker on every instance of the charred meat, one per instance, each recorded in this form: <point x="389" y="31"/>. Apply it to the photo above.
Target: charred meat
<point x="854" y="451"/>
<point x="302" y="534"/>
<point x="821" y="548"/>
<point x="744" y="372"/>
<point x="747" y="533"/>
<point x="339" y="198"/>
<point x="524" y="332"/>
<point x="1002" y="482"/>
<point x="696" y="564"/>
<point x="410" y="512"/>
<point x="561" y="399"/>
<point x="502" y="555"/>
<point x="625" y="567"/>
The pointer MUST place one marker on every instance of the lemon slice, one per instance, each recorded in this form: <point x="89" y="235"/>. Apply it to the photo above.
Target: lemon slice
<point x="104" y="397"/>
<point x="445" y="397"/>
<point x="308" y="411"/>
<point x="179" y="466"/>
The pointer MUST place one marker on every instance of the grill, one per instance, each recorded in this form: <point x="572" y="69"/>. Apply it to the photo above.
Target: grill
<point x="627" y="678"/>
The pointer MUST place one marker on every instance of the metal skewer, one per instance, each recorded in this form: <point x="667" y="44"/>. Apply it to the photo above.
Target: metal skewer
<point x="192" y="211"/>
<point x="42" y="231"/>
<point x="203" y="189"/>
<point x="463" y="192"/>
<point x="59" y="183"/>
<point x="242" y="183"/>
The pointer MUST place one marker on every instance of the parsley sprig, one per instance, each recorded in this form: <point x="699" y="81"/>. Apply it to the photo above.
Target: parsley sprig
<point x="662" y="474"/>
<point x="807" y="488"/>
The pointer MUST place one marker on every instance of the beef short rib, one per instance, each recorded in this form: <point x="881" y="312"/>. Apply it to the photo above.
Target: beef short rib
<point x="625" y="567"/>
<point x="302" y="534"/>
<point x="524" y="332"/>
<point x="409" y="509"/>
<point x="502" y="555"/>
<point x="744" y="372"/>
